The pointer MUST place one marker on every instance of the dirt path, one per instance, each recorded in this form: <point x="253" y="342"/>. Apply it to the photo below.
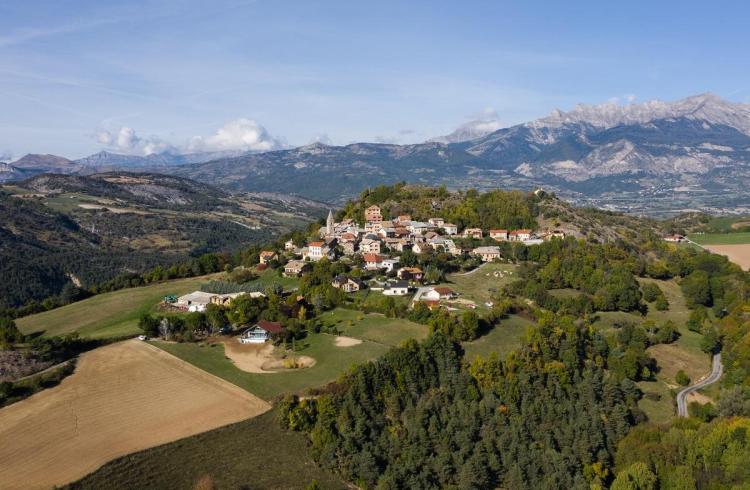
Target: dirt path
<point x="123" y="398"/>
<point x="717" y="369"/>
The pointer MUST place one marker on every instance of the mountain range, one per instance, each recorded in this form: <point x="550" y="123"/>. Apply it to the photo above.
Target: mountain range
<point x="693" y="152"/>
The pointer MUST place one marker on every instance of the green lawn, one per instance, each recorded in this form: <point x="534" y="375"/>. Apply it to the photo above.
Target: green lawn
<point x="106" y="315"/>
<point x="255" y="453"/>
<point x="270" y="276"/>
<point x="721" y="238"/>
<point x="482" y="284"/>
<point x="374" y="327"/>
<point x="502" y="339"/>
<point x="331" y="361"/>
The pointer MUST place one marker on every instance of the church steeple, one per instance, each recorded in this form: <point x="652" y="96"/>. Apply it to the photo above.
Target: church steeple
<point x="329" y="223"/>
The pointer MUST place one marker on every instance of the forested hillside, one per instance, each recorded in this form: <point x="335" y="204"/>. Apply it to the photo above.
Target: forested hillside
<point x="62" y="231"/>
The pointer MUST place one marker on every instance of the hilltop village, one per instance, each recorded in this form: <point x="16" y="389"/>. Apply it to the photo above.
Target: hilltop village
<point x="380" y="255"/>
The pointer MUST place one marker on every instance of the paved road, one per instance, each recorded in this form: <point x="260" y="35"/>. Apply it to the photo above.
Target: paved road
<point x="716" y="371"/>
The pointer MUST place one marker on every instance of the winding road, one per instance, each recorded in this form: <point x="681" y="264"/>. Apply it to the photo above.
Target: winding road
<point x="716" y="371"/>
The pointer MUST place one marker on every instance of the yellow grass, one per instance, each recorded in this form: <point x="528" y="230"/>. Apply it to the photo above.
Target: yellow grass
<point x="123" y="398"/>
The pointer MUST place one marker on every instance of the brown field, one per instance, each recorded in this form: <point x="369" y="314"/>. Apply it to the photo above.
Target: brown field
<point x="123" y="398"/>
<point x="739" y="254"/>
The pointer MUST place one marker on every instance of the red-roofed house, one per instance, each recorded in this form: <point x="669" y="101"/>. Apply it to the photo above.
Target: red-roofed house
<point x="373" y="261"/>
<point x="267" y="255"/>
<point x="260" y="332"/>
<point x="499" y="235"/>
<point x="519" y="235"/>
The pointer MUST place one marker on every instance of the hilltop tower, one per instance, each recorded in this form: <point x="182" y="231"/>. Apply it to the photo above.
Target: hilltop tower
<point x="329" y="223"/>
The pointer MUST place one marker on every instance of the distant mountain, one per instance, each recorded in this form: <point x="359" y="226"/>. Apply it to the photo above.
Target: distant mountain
<point x="105" y="160"/>
<point x="693" y="152"/>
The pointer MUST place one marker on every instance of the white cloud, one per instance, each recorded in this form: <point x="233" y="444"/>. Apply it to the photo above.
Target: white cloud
<point x="125" y="140"/>
<point x="6" y="156"/>
<point x="240" y="134"/>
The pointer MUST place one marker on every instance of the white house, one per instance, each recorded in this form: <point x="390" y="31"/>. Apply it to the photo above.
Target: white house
<point x="398" y="288"/>
<point x="316" y="251"/>
<point x="260" y="332"/>
<point x="436" y="294"/>
<point x="436" y="222"/>
<point x="450" y="229"/>
<point x="519" y="235"/>
<point x="389" y="264"/>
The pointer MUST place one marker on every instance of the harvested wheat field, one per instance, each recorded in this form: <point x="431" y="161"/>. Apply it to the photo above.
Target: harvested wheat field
<point x="739" y="254"/>
<point x="124" y="397"/>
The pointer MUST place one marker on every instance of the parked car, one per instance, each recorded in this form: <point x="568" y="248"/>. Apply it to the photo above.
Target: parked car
<point x="142" y="337"/>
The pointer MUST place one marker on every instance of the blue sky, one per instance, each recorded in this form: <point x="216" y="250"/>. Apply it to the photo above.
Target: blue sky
<point x="139" y="76"/>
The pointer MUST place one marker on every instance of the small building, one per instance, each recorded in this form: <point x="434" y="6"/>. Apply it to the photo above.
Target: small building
<point x="403" y="218"/>
<point x="389" y="264"/>
<point x="260" y="332"/>
<point x="450" y="229"/>
<point x="267" y="255"/>
<point x="410" y="274"/>
<point x="475" y="233"/>
<point x="674" y="238"/>
<point x="294" y="268"/>
<point x="317" y="250"/>
<point x="554" y="234"/>
<point x="439" y="222"/>
<point x="398" y="288"/>
<point x="373" y="214"/>
<point x="289" y="245"/>
<point x="346" y="284"/>
<point x="436" y="294"/>
<point x="519" y="235"/>
<point x="488" y="254"/>
<point x="499" y="235"/>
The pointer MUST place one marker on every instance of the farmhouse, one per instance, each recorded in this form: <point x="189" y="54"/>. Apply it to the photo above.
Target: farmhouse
<point x="398" y="288"/>
<point x="488" y="254"/>
<point x="266" y="256"/>
<point x="674" y="238"/>
<point x="499" y="235"/>
<point x="260" y="332"/>
<point x="436" y="294"/>
<point x="372" y="214"/>
<point x="346" y="284"/>
<point x="198" y="300"/>
<point x="294" y="268"/>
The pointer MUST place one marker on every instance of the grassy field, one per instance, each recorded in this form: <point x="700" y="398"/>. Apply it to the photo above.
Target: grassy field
<point x="502" y="339"/>
<point x="331" y="361"/>
<point x="106" y="315"/>
<point x="374" y="327"/>
<point x="255" y="453"/>
<point x="482" y="284"/>
<point x="721" y="238"/>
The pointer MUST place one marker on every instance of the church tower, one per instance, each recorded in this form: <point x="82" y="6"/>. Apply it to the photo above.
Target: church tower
<point x="329" y="223"/>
